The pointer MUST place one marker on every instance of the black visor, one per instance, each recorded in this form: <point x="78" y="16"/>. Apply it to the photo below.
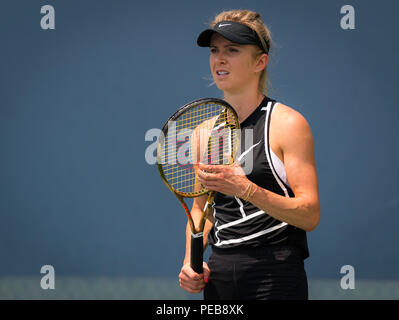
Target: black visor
<point x="233" y="31"/>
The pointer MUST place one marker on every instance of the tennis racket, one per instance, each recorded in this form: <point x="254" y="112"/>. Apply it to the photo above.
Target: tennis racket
<point x="207" y="131"/>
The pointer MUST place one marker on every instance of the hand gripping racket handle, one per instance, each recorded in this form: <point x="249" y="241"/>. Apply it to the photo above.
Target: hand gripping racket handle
<point x="197" y="252"/>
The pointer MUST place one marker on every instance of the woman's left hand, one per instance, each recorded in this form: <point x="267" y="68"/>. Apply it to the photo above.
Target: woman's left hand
<point x="229" y="180"/>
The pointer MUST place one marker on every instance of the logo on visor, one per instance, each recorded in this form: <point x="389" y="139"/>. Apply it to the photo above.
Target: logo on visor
<point x="224" y="24"/>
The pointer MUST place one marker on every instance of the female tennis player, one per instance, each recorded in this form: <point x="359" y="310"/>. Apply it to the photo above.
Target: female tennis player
<point x="261" y="214"/>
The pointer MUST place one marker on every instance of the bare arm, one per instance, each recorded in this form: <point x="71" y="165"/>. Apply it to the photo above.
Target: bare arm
<point x="296" y="142"/>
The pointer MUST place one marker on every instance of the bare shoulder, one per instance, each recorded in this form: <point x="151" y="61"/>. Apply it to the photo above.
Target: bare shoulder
<point x="287" y="116"/>
<point x="290" y="127"/>
<point x="287" y="120"/>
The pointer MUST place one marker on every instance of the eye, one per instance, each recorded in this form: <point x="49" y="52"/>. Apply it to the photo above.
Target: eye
<point x="232" y="49"/>
<point x="213" y="50"/>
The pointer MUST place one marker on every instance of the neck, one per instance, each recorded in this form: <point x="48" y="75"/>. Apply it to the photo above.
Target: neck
<point x="244" y="103"/>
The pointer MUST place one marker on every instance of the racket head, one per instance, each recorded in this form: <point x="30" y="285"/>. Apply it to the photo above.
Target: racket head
<point x="205" y="130"/>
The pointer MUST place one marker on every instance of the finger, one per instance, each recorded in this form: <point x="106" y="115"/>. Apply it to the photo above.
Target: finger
<point x="216" y="173"/>
<point x="211" y="177"/>
<point x="192" y="286"/>
<point x="211" y="168"/>
<point x="201" y="174"/>
<point x="189" y="273"/>
<point x="191" y="290"/>
<point x="184" y="277"/>
<point x="207" y="272"/>
<point x="210" y="186"/>
<point x="190" y="278"/>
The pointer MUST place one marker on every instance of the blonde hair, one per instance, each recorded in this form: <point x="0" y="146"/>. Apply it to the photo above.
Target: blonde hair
<point x="252" y="20"/>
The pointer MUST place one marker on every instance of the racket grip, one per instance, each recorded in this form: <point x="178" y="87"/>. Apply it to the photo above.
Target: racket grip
<point x="197" y="252"/>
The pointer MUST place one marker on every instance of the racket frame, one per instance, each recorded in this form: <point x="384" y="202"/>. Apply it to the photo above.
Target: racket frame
<point x="196" y="254"/>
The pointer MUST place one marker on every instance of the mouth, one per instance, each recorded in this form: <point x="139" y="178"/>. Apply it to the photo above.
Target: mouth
<point x="222" y="73"/>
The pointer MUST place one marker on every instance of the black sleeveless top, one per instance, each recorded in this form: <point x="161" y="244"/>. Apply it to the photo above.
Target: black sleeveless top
<point x="240" y="223"/>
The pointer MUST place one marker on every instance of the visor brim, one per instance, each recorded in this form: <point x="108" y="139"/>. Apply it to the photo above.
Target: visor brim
<point x="204" y="39"/>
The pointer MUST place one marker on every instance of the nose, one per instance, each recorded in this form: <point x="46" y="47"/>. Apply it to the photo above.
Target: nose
<point x="220" y="58"/>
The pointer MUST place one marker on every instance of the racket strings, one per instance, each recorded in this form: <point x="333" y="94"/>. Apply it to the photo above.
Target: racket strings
<point x="204" y="133"/>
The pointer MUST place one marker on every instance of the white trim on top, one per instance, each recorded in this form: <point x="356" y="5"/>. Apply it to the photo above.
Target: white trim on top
<point x="279" y="181"/>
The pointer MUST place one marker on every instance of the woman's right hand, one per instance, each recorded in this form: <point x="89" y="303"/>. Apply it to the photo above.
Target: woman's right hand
<point x="191" y="281"/>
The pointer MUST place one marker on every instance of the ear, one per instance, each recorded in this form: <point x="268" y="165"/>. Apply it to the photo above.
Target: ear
<point x="262" y="62"/>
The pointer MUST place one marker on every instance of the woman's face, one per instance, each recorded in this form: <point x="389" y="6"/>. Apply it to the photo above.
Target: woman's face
<point x="233" y="66"/>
